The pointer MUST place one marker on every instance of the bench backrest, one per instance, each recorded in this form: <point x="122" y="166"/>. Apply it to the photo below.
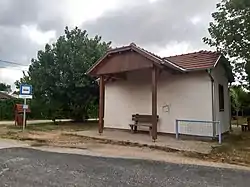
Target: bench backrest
<point x="143" y="118"/>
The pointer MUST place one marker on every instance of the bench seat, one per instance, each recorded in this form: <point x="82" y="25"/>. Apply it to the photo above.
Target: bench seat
<point x="141" y="120"/>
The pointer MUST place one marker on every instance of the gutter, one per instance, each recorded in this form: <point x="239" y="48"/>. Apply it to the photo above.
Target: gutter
<point x="217" y="61"/>
<point x="213" y="101"/>
<point x="173" y="65"/>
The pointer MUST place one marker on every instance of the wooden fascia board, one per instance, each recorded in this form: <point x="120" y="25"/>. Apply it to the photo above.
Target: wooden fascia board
<point x="109" y="52"/>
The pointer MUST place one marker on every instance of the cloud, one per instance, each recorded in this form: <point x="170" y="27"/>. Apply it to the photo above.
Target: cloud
<point x="26" y="25"/>
<point x="156" y="24"/>
<point x="48" y="15"/>
<point x="7" y="75"/>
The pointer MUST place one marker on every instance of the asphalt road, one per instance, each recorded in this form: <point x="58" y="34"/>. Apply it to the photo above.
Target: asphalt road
<point x="21" y="167"/>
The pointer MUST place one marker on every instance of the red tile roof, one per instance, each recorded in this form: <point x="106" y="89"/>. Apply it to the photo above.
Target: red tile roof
<point x="186" y="62"/>
<point x="5" y="96"/>
<point x="189" y="61"/>
<point x="195" y="61"/>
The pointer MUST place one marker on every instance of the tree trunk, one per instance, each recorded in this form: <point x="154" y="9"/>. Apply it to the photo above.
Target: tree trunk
<point x="237" y="117"/>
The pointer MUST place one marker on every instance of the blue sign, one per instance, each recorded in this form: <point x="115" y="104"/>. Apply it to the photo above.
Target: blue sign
<point x="25" y="91"/>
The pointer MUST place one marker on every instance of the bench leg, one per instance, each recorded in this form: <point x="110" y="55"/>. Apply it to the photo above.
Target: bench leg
<point x="135" y="128"/>
<point x="150" y="131"/>
<point x="132" y="128"/>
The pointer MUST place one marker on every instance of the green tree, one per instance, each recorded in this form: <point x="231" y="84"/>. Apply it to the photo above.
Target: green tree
<point x="230" y="32"/>
<point x="239" y="99"/>
<point x="5" y="87"/>
<point x="58" y="75"/>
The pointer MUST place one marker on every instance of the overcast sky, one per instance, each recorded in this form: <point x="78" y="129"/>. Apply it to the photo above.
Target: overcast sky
<point x="166" y="27"/>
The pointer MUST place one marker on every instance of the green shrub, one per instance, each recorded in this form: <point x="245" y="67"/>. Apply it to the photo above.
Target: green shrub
<point x="7" y="108"/>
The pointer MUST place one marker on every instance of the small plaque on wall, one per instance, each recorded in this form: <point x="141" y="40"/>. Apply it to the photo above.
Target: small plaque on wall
<point x="165" y="108"/>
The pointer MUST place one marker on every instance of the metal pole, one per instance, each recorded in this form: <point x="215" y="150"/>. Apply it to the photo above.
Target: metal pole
<point x="24" y="114"/>
<point x="176" y="129"/>
<point x="219" y="132"/>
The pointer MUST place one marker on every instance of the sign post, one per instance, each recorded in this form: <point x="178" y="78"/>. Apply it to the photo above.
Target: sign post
<point x="24" y="114"/>
<point x="25" y="93"/>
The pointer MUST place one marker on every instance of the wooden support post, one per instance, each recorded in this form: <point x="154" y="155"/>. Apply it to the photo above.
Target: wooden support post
<point x="154" y="103"/>
<point x="101" y="104"/>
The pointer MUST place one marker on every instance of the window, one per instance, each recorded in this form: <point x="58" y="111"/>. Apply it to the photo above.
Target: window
<point x="221" y="97"/>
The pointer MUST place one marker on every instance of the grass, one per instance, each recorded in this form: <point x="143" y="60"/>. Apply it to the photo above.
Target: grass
<point x="36" y="127"/>
<point x="234" y="150"/>
<point x="44" y="127"/>
<point x="40" y="132"/>
<point x="9" y="135"/>
<point x="47" y="134"/>
<point x="241" y="120"/>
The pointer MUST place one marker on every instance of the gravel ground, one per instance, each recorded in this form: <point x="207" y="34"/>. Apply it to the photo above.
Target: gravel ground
<point x="23" y="167"/>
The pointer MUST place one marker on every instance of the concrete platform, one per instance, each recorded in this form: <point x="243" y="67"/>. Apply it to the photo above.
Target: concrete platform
<point x="141" y="139"/>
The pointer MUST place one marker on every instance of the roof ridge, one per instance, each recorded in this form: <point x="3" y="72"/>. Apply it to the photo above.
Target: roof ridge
<point x="149" y="52"/>
<point x="134" y="45"/>
<point x="160" y="58"/>
<point x="115" y="48"/>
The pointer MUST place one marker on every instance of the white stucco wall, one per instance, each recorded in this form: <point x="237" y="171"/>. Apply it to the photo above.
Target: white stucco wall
<point x="188" y="96"/>
<point x="219" y="76"/>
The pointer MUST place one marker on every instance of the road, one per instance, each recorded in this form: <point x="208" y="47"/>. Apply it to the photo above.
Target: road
<point x="28" y="167"/>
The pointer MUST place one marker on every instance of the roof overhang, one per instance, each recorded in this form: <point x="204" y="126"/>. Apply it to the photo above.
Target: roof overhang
<point x="162" y="63"/>
<point x="156" y="60"/>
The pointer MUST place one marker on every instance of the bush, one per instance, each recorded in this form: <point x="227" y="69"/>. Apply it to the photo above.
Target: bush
<point x="7" y="108"/>
<point x="44" y="111"/>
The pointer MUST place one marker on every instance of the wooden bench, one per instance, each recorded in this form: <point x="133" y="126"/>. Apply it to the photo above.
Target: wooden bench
<point x="245" y="127"/>
<point x="141" y="120"/>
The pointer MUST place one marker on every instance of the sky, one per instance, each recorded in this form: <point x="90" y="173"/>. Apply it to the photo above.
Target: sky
<point x="165" y="27"/>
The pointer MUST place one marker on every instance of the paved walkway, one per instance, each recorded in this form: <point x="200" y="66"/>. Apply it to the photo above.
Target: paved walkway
<point x="163" y="141"/>
<point x="5" y="143"/>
